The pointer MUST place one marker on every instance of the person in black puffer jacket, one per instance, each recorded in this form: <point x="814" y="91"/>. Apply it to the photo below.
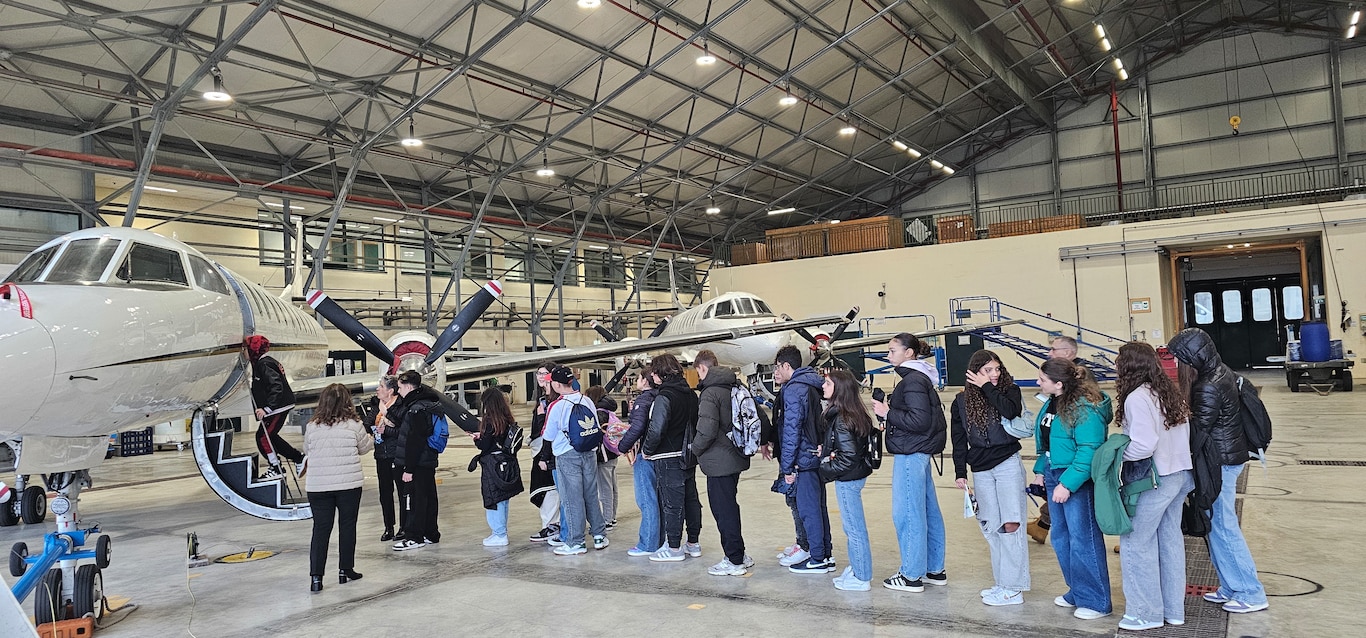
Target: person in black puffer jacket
<point x="916" y="430"/>
<point x="720" y="460"/>
<point x="846" y="461"/>
<point x="982" y="444"/>
<point x="1214" y="411"/>
<point x="543" y="493"/>
<point x="500" y="477"/>
<point x="417" y="460"/>
<point x="386" y="448"/>
<point x="673" y="417"/>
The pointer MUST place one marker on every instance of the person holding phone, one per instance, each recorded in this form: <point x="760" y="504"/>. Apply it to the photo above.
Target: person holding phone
<point x="543" y="492"/>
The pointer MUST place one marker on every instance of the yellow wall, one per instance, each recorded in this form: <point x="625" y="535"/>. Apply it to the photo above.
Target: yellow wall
<point x="1028" y="272"/>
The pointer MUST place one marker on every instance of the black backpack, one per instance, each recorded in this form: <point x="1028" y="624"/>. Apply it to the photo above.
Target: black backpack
<point x="1256" y="421"/>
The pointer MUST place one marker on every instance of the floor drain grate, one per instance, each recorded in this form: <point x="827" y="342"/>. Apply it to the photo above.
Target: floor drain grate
<point x="1200" y="590"/>
<point x="1332" y="463"/>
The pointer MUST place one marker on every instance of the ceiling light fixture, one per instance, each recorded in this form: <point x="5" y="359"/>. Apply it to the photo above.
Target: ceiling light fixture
<point x="712" y="208"/>
<point x="1100" y="31"/>
<point x="412" y="139"/>
<point x="386" y="220"/>
<point x="1119" y="64"/>
<point x="281" y="206"/>
<point x="898" y="145"/>
<point x="848" y="130"/>
<point x="834" y="221"/>
<point x="160" y="189"/>
<point x="787" y="100"/>
<point x="947" y="170"/>
<point x="706" y="59"/>
<point x="781" y="211"/>
<point x="589" y="4"/>
<point x="936" y="164"/>
<point x="1351" y="32"/>
<point x="218" y="94"/>
<point x="541" y="239"/>
<point x="405" y="231"/>
<point x="596" y="247"/>
<point x="1123" y="74"/>
<point x="545" y="170"/>
<point x="914" y="153"/>
<point x="1105" y="44"/>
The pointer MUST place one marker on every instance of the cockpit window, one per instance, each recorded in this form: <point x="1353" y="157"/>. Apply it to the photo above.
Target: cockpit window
<point x="762" y="307"/>
<point x="206" y="277"/>
<point x="746" y="308"/>
<point x="725" y="309"/>
<point x="151" y="264"/>
<point x="84" y="260"/>
<point x="33" y="265"/>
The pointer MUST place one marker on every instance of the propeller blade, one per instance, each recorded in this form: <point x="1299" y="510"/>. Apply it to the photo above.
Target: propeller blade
<point x="616" y="379"/>
<point x="659" y="329"/>
<point x="604" y="332"/>
<point x="353" y="328"/>
<point x="458" y="415"/>
<point x="806" y="335"/>
<point x="465" y="319"/>
<point x="848" y="321"/>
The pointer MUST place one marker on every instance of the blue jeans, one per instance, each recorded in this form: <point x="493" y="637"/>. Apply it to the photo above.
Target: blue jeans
<point x="498" y="519"/>
<point x="849" y="495"/>
<point x="1079" y="545"/>
<point x="1152" y="558"/>
<point x="1227" y="549"/>
<point x="643" y="471"/>
<point x="915" y="513"/>
<point x="815" y="515"/>
<point x="578" y="486"/>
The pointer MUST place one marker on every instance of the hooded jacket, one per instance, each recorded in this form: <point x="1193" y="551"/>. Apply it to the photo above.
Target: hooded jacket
<point x="1214" y="399"/>
<point x="673" y="414"/>
<point x="716" y="454"/>
<point x="915" y="415"/>
<point x="799" y="417"/>
<point x="270" y="389"/>
<point x="414" y="427"/>
<point x="639" y="419"/>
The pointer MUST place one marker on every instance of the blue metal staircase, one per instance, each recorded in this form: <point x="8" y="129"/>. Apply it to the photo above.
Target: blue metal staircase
<point x="1101" y="362"/>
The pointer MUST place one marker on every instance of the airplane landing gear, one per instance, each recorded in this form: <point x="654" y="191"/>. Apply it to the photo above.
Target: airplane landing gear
<point x="54" y="574"/>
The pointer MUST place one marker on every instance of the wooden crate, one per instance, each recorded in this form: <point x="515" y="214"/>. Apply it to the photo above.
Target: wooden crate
<point x="1037" y="225"/>
<point x="796" y="242"/>
<point x="860" y="235"/>
<point x="746" y="254"/>
<point x="954" y="228"/>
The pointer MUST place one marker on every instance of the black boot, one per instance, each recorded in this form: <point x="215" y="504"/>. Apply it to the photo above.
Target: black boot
<point x="348" y="574"/>
<point x="388" y="534"/>
<point x="317" y="585"/>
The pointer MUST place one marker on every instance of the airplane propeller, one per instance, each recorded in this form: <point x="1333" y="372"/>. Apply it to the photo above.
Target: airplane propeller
<point x="821" y="352"/>
<point x="464" y="319"/>
<point x="616" y="378"/>
<point x="621" y="374"/>
<point x="607" y="335"/>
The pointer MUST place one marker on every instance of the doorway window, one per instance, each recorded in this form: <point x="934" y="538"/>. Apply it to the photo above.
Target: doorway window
<point x="1292" y="303"/>
<point x="1261" y="305"/>
<point x="1204" y="308"/>
<point x="1233" y="306"/>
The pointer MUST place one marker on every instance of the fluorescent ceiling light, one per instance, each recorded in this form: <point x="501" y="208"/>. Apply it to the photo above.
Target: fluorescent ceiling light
<point x="686" y="259"/>
<point x="898" y="145"/>
<point x="160" y="189"/>
<point x="291" y="206"/>
<point x="481" y="232"/>
<point x="541" y="239"/>
<point x="597" y="247"/>
<point x="405" y="231"/>
<point x="590" y="4"/>
<point x="1123" y="75"/>
<point x="914" y="153"/>
<point x="1105" y="44"/>
<point x="947" y="170"/>
<point x="1356" y="17"/>
<point x="1100" y="31"/>
<point x="385" y="219"/>
<point x="848" y="130"/>
<point x="936" y="164"/>
<point x="787" y="100"/>
<point x="1119" y="64"/>
<point x="780" y="211"/>
<point x="713" y="210"/>
<point x="1351" y="32"/>
<point x="834" y="221"/>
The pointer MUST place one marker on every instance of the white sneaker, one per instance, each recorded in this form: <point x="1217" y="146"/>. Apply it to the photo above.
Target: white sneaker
<point x="788" y="551"/>
<point x="636" y="552"/>
<point x="600" y="542"/>
<point x="570" y="550"/>
<point x="405" y="545"/>
<point x="1003" y="597"/>
<point x="1062" y="602"/>
<point x="1129" y="623"/>
<point x="495" y="540"/>
<point x="849" y="582"/>
<point x="726" y="568"/>
<point x="796" y="558"/>
<point x="693" y="549"/>
<point x="987" y="592"/>
<point x="301" y="468"/>
<point x="667" y="554"/>
<point x="1089" y="614"/>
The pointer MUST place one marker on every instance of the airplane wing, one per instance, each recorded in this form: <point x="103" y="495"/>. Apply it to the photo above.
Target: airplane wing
<point x="847" y="345"/>
<point x="306" y="391"/>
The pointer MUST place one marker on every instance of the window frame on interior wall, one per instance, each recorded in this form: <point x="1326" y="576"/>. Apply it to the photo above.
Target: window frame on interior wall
<point x="354" y="238"/>
<point x="604" y="269"/>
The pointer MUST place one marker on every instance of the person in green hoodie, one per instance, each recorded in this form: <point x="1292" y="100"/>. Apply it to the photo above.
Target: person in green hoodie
<point x="1066" y="434"/>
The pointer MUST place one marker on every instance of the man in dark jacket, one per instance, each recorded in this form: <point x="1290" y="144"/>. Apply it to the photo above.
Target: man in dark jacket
<point x="673" y="417"/>
<point x="1215" y="410"/>
<point x="418" y="460"/>
<point x="273" y="398"/>
<point x="803" y="431"/>
<point x="720" y="461"/>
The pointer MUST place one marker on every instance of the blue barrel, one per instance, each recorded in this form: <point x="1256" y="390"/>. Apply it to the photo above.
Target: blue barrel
<point x="1314" y="341"/>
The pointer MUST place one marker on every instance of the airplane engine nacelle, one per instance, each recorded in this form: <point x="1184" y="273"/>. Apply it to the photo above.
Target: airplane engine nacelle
<point x="410" y="349"/>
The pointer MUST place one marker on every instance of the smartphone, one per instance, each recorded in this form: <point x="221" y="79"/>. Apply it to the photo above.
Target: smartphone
<point x="879" y="395"/>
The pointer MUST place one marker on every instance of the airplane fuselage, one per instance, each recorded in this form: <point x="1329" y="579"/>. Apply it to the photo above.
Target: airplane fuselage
<point x="735" y="310"/>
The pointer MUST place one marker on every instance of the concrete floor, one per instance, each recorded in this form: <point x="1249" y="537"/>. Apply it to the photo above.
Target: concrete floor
<point x="1295" y="520"/>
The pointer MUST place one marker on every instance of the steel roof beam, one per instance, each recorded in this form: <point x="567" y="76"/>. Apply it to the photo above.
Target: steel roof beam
<point x="982" y="36"/>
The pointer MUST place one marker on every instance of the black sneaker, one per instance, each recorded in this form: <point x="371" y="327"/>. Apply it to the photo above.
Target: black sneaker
<point x="545" y="534"/>
<point x="938" y="579"/>
<point x="611" y="525"/>
<point x="388" y="535"/>
<point x="813" y="566"/>
<point x="901" y="583"/>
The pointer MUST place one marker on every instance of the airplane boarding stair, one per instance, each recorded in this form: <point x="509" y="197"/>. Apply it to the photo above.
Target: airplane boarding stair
<point x="1100" y="362"/>
<point x="233" y="476"/>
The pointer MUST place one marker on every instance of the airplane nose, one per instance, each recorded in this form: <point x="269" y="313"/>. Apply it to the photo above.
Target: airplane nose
<point x="28" y="360"/>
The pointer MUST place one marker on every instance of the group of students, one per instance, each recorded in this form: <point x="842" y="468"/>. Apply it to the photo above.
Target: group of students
<point x="821" y="433"/>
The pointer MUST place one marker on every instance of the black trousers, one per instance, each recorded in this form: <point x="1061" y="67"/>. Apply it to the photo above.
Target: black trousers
<point x="389" y="484"/>
<point x="422" y="505"/>
<point x="721" y="493"/>
<point x="268" y="438"/>
<point x="327" y="506"/>
<point x="679" y="504"/>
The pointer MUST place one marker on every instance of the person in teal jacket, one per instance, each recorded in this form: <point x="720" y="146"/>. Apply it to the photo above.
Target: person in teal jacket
<point x="1067" y="433"/>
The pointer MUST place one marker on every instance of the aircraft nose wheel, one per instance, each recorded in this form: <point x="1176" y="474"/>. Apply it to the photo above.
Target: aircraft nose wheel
<point x="48" y="605"/>
<point x="17" y="566"/>
<point x="102" y="548"/>
<point x="88" y="597"/>
<point x="33" y="506"/>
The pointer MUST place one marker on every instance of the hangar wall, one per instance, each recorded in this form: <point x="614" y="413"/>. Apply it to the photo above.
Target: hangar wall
<point x="1280" y="85"/>
<point x="1027" y="271"/>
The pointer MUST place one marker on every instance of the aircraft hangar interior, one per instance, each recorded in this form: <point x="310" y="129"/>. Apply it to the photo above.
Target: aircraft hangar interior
<point x="1070" y="263"/>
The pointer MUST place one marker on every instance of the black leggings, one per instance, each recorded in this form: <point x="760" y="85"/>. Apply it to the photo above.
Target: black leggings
<point x="341" y="504"/>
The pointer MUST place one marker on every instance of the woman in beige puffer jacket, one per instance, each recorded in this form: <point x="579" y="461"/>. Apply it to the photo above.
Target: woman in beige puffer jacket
<point x="334" y="442"/>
